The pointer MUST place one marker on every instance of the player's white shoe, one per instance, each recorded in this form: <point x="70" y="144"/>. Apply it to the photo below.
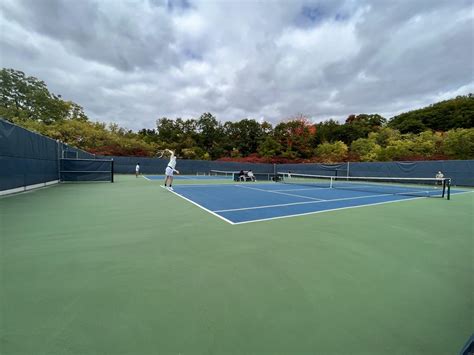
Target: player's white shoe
<point x="170" y="188"/>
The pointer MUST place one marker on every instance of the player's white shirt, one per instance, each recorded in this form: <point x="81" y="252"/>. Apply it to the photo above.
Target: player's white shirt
<point x="137" y="168"/>
<point x="172" y="163"/>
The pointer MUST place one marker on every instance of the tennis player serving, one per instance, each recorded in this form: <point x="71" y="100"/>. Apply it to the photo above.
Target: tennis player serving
<point x="170" y="170"/>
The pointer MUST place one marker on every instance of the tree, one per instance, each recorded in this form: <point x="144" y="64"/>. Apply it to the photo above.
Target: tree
<point x="193" y="153"/>
<point x="327" y="131"/>
<point x="27" y="98"/>
<point x="332" y="152"/>
<point x="366" y="149"/>
<point x="148" y="135"/>
<point x="441" y="116"/>
<point x="269" y="148"/>
<point x="426" y="144"/>
<point x="296" y="135"/>
<point x="360" y="126"/>
<point x="210" y="135"/>
<point x="396" y="150"/>
<point x="459" y="143"/>
<point x="244" y="135"/>
<point x="384" y="136"/>
<point x="167" y="130"/>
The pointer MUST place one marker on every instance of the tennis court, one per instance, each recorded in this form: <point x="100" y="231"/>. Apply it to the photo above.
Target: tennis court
<point x="248" y="202"/>
<point x="132" y="268"/>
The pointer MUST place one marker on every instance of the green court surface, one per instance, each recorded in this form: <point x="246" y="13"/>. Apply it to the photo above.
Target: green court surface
<point x="130" y="268"/>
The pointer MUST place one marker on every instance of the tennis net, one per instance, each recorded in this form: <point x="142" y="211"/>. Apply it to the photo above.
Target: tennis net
<point x="224" y="173"/>
<point x="235" y="175"/>
<point x="417" y="187"/>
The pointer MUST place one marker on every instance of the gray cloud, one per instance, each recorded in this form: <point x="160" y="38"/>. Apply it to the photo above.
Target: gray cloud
<point x="131" y="62"/>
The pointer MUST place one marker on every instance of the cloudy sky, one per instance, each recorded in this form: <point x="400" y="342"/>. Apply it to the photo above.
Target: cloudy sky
<point x="133" y="61"/>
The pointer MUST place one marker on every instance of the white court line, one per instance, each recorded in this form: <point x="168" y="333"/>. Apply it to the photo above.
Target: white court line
<point x="282" y="193"/>
<point x="305" y="189"/>
<point x="297" y="203"/>
<point x="330" y="210"/>
<point x="341" y="208"/>
<point x="198" y="205"/>
<point x="143" y="176"/>
<point x="293" y="215"/>
<point x="202" y="185"/>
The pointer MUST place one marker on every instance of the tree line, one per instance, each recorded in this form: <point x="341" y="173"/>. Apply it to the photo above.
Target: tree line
<point x="444" y="130"/>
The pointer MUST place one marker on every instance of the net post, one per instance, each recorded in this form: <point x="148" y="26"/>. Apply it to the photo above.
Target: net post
<point x="448" y="182"/>
<point x="112" y="171"/>
<point x="58" y="155"/>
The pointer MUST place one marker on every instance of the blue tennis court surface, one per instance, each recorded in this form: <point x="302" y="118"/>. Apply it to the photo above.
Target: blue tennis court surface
<point x="243" y="203"/>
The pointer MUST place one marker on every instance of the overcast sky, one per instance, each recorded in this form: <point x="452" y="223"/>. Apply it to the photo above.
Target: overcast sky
<point x="131" y="62"/>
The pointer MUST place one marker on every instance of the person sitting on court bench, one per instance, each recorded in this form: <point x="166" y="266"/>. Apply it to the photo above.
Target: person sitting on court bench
<point x="241" y="175"/>
<point x="439" y="178"/>
<point x="251" y="176"/>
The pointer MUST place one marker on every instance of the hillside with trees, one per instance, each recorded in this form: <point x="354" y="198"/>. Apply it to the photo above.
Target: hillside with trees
<point x="444" y="130"/>
<point x="442" y="116"/>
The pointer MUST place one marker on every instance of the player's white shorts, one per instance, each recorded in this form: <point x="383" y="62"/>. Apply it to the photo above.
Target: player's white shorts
<point x="169" y="171"/>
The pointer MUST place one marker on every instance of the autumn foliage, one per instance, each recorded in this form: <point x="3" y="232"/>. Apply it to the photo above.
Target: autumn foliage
<point x="441" y="131"/>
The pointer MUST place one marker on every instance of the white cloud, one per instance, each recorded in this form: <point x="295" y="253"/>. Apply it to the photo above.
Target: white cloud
<point x="135" y="61"/>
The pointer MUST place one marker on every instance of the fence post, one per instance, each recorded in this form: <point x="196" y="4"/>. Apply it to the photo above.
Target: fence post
<point x="112" y="172"/>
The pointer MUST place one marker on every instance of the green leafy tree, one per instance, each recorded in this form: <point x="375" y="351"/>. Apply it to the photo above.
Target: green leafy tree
<point x="193" y="153"/>
<point x="269" y="148"/>
<point x="366" y="149"/>
<point x="396" y="150"/>
<point x="244" y="135"/>
<point x="426" y="144"/>
<point x="168" y="130"/>
<point x="327" y="131"/>
<point x="383" y="136"/>
<point x="332" y="152"/>
<point x="210" y="135"/>
<point x="148" y="135"/>
<point x="359" y="127"/>
<point x="441" y="116"/>
<point x="459" y="143"/>
<point x="27" y="98"/>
